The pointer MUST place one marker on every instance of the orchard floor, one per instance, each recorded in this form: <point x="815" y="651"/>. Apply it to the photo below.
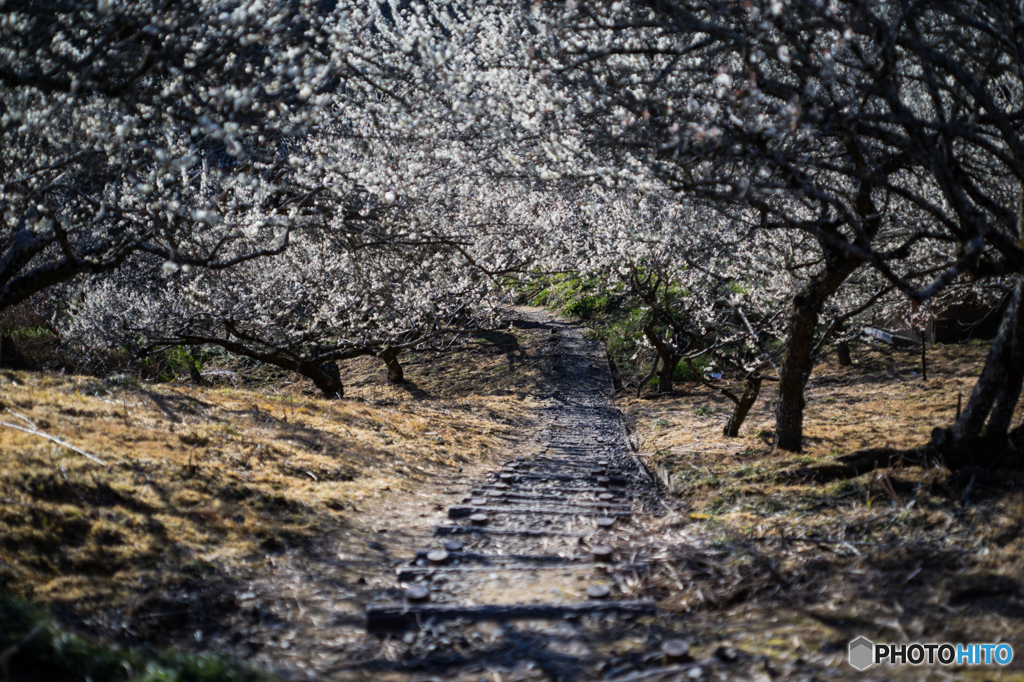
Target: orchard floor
<point x="221" y="517"/>
<point x="795" y="570"/>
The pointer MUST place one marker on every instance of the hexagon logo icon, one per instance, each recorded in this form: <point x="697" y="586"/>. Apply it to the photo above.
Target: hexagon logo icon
<point x="862" y="653"/>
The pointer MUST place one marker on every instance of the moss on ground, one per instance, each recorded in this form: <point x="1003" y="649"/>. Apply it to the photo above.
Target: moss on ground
<point x="34" y="649"/>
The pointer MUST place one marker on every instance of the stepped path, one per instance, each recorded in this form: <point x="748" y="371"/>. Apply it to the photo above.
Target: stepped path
<point x="533" y="570"/>
<point x="541" y="545"/>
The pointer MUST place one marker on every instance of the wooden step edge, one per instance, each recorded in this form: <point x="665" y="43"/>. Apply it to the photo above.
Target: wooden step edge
<point x="384" y="617"/>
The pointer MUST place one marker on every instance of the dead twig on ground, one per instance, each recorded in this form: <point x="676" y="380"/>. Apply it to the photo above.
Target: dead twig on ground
<point x="34" y="430"/>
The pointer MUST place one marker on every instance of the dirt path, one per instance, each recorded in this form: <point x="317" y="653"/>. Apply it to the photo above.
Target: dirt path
<point x="531" y="571"/>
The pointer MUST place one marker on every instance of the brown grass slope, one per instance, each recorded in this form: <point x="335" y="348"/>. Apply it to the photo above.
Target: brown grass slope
<point x="795" y="569"/>
<point x="200" y="487"/>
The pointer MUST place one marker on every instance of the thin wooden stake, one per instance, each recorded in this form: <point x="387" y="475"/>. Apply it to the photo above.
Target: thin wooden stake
<point x="924" y="361"/>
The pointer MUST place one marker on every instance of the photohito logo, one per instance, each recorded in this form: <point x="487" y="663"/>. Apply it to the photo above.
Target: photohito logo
<point x="864" y="653"/>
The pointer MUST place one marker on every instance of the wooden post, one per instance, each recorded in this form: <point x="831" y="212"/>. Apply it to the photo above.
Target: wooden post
<point x="924" y="361"/>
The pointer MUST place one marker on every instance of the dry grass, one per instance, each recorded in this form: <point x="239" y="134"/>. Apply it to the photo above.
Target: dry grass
<point x="796" y="570"/>
<point x="203" y="483"/>
<point x="205" y="486"/>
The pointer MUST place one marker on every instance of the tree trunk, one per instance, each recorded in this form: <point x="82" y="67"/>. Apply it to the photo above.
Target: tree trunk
<point x="193" y="367"/>
<point x="843" y="351"/>
<point x="1009" y="393"/>
<point x="667" y="373"/>
<point x="797" y="362"/>
<point x="993" y="375"/>
<point x="994" y="397"/>
<point x="807" y="306"/>
<point x="669" y="360"/>
<point x="616" y="375"/>
<point x="395" y="373"/>
<point x="326" y="377"/>
<point x="739" y="414"/>
<point x="7" y="352"/>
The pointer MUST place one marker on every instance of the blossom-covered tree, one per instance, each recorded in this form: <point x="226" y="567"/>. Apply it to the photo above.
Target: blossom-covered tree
<point x="822" y="119"/>
<point x="181" y="143"/>
<point x="166" y="129"/>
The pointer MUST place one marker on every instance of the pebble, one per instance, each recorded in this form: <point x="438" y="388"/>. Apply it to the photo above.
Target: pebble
<point x="676" y="650"/>
<point x="417" y="593"/>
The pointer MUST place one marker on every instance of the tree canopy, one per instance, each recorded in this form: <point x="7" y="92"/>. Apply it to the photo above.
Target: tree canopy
<point x="303" y="182"/>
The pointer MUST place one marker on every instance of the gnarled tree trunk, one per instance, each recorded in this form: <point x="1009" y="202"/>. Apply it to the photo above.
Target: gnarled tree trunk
<point x="668" y="358"/>
<point x="326" y="377"/>
<point x="743" y="405"/>
<point x="390" y="358"/>
<point x="972" y="442"/>
<point x="193" y="367"/>
<point x="807" y="306"/>
<point x="666" y="374"/>
<point x="843" y="353"/>
<point x="797" y="362"/>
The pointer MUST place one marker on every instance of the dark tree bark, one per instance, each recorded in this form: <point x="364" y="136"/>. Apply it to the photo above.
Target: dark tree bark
<point x="993" y="375"/>
<point x="669" y="359"/>
<point x="395" y="373"/>
<point x="807" y="307"/>
<point x="616" y="374"/>
<point x="843" y="351"/>
<point x="326" y="377"/>
<point x="798" y="360"/>
<point x="7" y="352"/>
<point x="193" y="367"/>
<point x="742" y="409"/>
<point x="1009" y="393"/>
<point x="666" y="374"/>
<point x="971" y="442"/>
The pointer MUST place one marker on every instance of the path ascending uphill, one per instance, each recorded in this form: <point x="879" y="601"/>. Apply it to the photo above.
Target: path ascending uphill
<point x="536" y="570"/>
